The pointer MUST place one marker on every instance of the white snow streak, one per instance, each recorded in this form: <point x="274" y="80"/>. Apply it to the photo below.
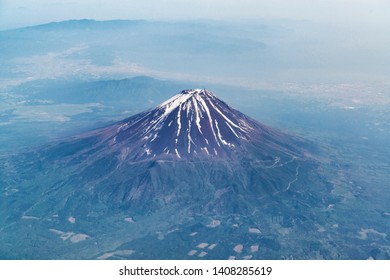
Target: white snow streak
<point x="189" y="136"/>
<point x="226" y="118"/>
<point x="197" y="117"/>
<point x="177" y="153"/>
<point x="219" y="134"/>
<point x="206" y="150"/>
<point x="154" y="137"/>
<point x="232" y="129"/>
<point x="178" y="121"/>
<point x="209" y="116"/>
<point x="189" y="106"/>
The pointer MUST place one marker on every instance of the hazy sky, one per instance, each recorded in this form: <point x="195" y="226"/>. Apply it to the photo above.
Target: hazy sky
<point x="17" y="13"/>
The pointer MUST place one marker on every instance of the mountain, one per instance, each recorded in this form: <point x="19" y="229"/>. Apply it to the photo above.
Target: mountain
<point x="191" y="158"/>
<point x="134" y="163"/>
<point x="193" y="124"/>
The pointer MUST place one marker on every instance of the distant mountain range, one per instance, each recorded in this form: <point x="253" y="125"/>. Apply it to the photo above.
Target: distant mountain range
<point x="117" y="49"/>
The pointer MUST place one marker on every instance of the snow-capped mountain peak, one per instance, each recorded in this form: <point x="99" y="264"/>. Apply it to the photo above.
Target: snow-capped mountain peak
<point x="183" y="97"/>
<point x="193" y="122"/>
